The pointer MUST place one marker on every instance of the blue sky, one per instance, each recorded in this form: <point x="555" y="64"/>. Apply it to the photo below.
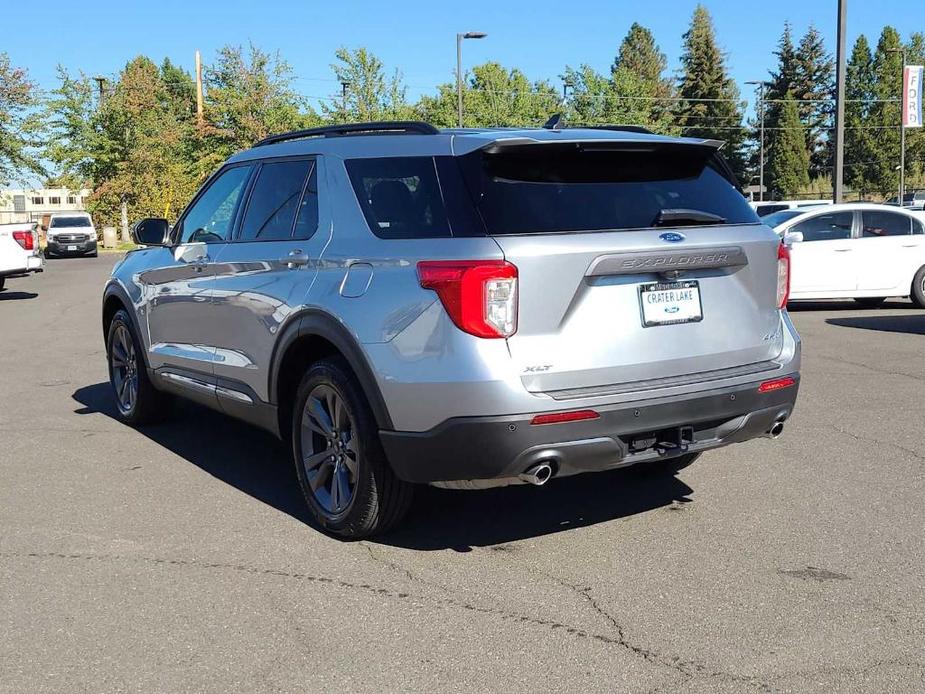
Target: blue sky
<point x="541" y="36"/>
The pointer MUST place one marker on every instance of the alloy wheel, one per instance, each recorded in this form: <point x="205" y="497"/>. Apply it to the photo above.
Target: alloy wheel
<point x="124" y="367"/>
<point x="329" y="454"/>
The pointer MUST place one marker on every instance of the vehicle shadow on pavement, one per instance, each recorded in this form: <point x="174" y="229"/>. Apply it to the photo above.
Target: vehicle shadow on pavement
<point x="912" y="323"/>
<point x="842" y="305"/>
<point x="238" y="454"/>
<point x="257" y="464"/>
<point x="14" y="296"/>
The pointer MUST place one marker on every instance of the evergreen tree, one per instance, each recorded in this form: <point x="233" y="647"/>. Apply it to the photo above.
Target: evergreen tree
<point x="814" y="88"/>
<point x="787" y="171"/>
<point x="710" y="106"/>
<point x="638" y="74"/>
<point x="859" y="90"/>
<point x="884" y="113"/>
<point x="639" y="54"/>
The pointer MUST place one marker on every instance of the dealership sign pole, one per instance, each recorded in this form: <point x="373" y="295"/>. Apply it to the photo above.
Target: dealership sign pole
<point x="911" y="115"/>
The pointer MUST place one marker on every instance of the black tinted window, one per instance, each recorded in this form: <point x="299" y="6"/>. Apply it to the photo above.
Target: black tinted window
<point x="764" y="210"/>
<point x="306" y="222"/>
<point x="877" y="223"/>
<point x="567" y="187"/>
<point x="400" y="196"/>
<point x="70" y="222"/>
<point x="826" y="227"/>
<point x="274" y="201"/>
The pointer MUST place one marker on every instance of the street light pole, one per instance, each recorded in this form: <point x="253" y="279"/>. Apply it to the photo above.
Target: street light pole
<point x="762" y="85"/>
<point x="459" y="81"/>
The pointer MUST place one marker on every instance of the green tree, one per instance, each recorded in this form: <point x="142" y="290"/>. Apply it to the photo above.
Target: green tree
<point x="884" y="112"/>
<point x="19" y="123"/>
<point x="69" y="115"/>
<point x="710" y="106"/>
<point x="625" y="98"/>
<point x="859" y="92"/>
<point x="814" y="88"/>
<point x="368" y="95"/>
<point x="249" y="96"/>
<point x="787" y="170"/>
<point x="493" y="96"/>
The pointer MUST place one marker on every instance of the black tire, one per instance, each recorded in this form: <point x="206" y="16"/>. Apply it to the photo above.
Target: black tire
<point x="377" y="498"/>
<point x="917" y="294"/>
<point x="2" y="283"/>
<point x="94" y="254"/>
<point x="870" y="301"/>
<point x="127" y="370"/>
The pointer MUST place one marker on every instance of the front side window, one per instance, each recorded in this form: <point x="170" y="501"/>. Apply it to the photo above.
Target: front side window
<point x="826" y="227"/>
<point x="211" y="216"/>
<point x="274" y="201"/>
<point x="764" y="210"/>
<point x="877" y="224"/>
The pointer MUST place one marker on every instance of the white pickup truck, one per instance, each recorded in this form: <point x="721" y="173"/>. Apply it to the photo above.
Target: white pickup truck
<point x="19" y="250"/>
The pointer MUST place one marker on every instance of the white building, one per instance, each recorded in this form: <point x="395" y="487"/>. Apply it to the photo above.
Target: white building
<point x="32" y="204"/>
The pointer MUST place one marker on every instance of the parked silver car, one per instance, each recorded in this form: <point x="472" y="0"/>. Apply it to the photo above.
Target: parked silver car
<point x="465" y="308"/>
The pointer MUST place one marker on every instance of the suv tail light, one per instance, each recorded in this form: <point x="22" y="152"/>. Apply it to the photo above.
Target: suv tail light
<point x="24" y="239"/>
<point x="479" y="295"/>
<point x="783" y="275"/>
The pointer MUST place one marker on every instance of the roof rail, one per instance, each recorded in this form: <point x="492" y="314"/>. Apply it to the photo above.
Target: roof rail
<point x="623" y="128"/>
<point x="389" y="127"/>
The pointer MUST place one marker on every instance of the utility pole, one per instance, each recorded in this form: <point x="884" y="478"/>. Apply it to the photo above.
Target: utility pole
<point x="459" y="79"/>
<point x="841" y="72"/>
<point x="762" y="86"/>
<point x="101" y="88"/>
<point x="198" y="90"/>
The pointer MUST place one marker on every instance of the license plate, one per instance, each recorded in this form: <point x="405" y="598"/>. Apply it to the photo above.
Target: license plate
<point x="670" y="303"/>
<point x="72" y="248"/>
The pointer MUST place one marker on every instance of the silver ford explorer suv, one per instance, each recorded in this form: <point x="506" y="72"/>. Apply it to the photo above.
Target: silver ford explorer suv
<point x="466" y="308"/>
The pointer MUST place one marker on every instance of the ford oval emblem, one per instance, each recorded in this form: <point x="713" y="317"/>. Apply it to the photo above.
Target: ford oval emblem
<point x="672" y="309"/>
<point x="672" y="237"/>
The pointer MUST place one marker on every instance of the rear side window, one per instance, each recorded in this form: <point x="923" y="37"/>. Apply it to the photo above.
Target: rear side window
<point x="878" y="224"/>
<point x="400" y="196"/>
<point x="589" y="187"/>
<point x="826" y="227"/>
<point x="274" y="201"/>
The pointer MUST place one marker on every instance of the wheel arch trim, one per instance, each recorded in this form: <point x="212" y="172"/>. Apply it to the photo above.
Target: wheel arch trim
<point x="318" y="323"/>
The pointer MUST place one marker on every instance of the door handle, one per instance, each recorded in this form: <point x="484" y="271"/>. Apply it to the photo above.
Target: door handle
<point x="200" y="263"/>
<point x="911" y="245"/>
<point x="295" y="259"/>
<point x="843" y="250"/>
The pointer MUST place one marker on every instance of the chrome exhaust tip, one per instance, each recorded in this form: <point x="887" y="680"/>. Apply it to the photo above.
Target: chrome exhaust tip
<point x="538" y="474"/>
<point x="776" y="429"/>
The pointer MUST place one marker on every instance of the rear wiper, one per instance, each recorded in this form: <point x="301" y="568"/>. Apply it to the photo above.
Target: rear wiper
<point x="686" y="216"/>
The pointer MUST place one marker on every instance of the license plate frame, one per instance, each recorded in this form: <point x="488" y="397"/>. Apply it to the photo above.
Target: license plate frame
<point x="648" y="321"/>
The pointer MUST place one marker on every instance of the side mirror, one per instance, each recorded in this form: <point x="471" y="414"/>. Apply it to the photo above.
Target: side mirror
<point x="792" y="237"/>
<point x="151" y="231"/>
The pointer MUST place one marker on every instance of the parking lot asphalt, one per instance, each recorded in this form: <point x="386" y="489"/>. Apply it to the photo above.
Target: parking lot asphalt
<point x="179" y="558"/>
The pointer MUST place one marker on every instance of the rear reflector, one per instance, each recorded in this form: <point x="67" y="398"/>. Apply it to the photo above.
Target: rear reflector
<point x="561" y="417"/>
<point x="24" y="239"/>
<point x="776" y="384"/>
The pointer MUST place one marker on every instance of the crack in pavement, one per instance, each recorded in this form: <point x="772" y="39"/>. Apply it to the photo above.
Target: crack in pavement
<point x="398" y="568"/>
<point x="688" y="669"/>
<point x="506" y="615"/>
<point x="866" y="439"/>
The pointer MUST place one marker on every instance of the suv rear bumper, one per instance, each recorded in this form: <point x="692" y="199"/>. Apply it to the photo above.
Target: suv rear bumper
<point x="483" y="448"/>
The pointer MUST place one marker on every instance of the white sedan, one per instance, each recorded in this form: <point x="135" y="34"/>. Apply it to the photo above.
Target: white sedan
<point x="860" y="251"/>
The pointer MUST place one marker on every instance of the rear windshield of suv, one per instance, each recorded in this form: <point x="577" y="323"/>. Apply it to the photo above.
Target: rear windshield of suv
<point x="70" y="221"/>
<point x="546" y="189"/>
